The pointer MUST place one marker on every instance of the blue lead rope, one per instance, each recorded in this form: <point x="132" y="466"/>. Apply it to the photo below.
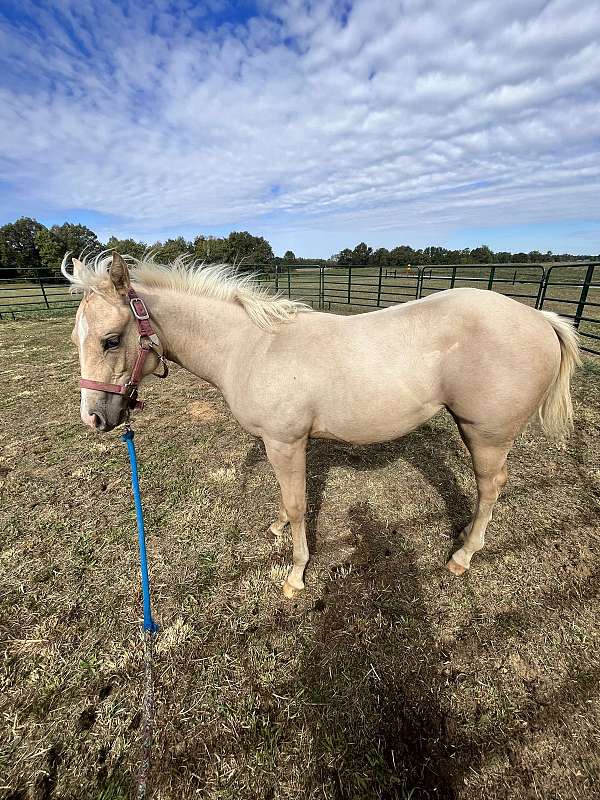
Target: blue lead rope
<point x="149" y="624"/>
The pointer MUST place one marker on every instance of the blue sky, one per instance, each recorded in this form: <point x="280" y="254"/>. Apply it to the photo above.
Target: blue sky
<point x="315" y="124"/>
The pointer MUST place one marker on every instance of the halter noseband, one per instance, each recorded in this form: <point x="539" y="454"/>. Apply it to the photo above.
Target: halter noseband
<point x="148" y="341"/>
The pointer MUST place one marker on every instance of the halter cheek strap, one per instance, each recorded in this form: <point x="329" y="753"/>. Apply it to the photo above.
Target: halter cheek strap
<point x="148" y="341"/>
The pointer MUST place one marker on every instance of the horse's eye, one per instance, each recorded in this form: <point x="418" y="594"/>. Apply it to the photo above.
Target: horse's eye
<point x="111" y="343"/>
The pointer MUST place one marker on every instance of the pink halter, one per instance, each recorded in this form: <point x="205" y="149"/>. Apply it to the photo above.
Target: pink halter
<point x="148" y="341"/>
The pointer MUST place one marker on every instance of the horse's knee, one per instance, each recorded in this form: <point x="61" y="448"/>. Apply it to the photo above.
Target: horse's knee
<point x="295" y="511"/>
<point x="488" y="488"/>
<point x="502" y="478"/>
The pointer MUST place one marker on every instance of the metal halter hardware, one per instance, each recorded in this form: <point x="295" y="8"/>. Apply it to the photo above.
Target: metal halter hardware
<point x="148" y="341"/>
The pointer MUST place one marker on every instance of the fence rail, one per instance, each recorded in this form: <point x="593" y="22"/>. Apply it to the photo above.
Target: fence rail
<point x="572" y="290"/>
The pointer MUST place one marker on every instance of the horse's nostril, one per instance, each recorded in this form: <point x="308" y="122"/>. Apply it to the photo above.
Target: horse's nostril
<point x="99" y="420"/>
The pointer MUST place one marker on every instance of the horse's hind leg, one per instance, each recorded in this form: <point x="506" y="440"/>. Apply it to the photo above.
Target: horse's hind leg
<point x="489" y="462"/>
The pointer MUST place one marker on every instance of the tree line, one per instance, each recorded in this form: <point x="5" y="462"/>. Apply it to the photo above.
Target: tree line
<point x="29" y="249"/>
<point x="403" y="255"/>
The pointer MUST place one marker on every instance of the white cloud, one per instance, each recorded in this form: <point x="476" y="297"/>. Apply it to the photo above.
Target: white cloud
<point x="389" y="116"/>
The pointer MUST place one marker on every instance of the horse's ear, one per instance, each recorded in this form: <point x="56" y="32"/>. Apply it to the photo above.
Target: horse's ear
<point x="119" y="274"/>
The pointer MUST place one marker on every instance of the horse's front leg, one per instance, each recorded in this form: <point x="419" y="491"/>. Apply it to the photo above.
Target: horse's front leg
<point x="289" y="463"/>
<point x="282" y="519"/>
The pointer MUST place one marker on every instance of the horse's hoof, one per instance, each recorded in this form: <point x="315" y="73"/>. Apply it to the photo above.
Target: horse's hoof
<point x="290" y="591"/>
<point x="455" y="568"/>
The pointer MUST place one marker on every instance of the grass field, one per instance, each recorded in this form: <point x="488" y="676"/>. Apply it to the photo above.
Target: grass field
<point x="22" y="296"/>
<point x="387" y="678"/>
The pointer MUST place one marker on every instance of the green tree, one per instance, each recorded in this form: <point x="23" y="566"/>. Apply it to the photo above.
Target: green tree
<point x="54" y="242"/>
<point x="344" y="257"/>
<point x="289" y="256"/>
<point x="402" y="256"/>
<point x="361" y="254"/>
<point x="211" y="249"/>
<point x="127" y="247"/>
<point x="19" y="252"/>
<point x="435" y="255"/>
<point x="381" y="257"/>
<point x="482" y="255"/>
<point x="242" y="248"/>
<point x="172" y="248"/>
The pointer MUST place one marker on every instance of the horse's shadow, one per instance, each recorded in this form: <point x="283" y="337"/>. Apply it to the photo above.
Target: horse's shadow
<point x="372" y="689"/>
<point x="378" y="689"/>
<point x="425" y="449"/>
<point x="378" y="726"/>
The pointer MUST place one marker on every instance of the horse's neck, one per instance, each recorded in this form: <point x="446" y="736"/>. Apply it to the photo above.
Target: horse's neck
<point x="200" y="334"/>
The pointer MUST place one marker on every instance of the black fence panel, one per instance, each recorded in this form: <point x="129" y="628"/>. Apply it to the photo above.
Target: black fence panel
<point x="39" y="292"/>
<point x="521" y="281"/>
<point x="572" y="290"/>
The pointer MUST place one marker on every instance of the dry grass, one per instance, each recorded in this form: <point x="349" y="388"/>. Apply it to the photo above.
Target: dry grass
<point x="388" y="678"/>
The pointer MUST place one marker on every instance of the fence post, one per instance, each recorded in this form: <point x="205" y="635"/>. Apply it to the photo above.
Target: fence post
<point x="379" y="286"/>
<point x="491" y="280"/>
<point x="289" y="283"/>
<point x="349" y="283"/>
<point x="453" y="278"/>
<point x="276" y="277"/>
<point x="419" y="290"/>
<point x="584" y="293"/>
<point x="319" y="290"/>
<point x="539" y="300"/>
<point x="321" y="286"/>
<point x="44" y="293"/>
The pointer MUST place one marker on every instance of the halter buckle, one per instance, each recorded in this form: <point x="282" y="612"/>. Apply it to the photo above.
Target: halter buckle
<point x="139" y="309"/>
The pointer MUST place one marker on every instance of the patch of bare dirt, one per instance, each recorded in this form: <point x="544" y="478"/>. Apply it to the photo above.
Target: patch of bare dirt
<point x="203" y="411"/>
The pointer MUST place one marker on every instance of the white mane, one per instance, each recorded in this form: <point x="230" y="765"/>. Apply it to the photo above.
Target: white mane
<point x="185" y="274"/>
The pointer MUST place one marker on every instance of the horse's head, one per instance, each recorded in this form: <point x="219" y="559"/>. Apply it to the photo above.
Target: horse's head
<point x="107" y="337"/>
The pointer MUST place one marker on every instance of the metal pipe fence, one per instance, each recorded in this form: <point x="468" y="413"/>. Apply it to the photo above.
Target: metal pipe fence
<point x="572" y="290"/>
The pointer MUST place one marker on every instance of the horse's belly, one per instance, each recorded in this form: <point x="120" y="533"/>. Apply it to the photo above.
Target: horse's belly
<point x="367" y="427"/>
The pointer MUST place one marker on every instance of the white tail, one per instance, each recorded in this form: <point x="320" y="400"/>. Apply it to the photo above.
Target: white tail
<point x="556" y="412"/>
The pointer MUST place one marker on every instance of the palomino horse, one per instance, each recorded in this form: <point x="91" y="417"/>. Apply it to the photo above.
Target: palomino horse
<point x="289" y="375"/>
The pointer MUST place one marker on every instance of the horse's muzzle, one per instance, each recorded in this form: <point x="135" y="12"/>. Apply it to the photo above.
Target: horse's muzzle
<point x="107" y="412"/>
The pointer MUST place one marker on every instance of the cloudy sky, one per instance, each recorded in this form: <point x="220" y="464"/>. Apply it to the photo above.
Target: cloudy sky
<point x="316" y="124"/>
